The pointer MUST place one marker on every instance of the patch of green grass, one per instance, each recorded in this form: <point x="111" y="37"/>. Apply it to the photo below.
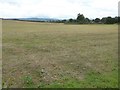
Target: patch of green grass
<point x="65" y="82"/>
<point x="92" y="80"/>
<point x="28" y="82"/>
<point x="99" y="80"/>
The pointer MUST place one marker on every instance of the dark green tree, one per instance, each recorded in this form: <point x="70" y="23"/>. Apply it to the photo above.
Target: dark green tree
<point x="97" y="20"/>
<point x="116" y="19"/>
<point x="80" y="18"/>
<point x="110" y="20"/>
<point x="71" y="20"/>
<point x="87" y="20"/>
<point x="103" y="20"/>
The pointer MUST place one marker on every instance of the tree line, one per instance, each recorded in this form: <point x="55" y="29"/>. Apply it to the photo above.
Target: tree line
<point x="81" y="19"/>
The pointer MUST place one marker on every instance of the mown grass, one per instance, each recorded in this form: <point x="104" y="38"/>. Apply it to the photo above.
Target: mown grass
<point x="57" y="55"/>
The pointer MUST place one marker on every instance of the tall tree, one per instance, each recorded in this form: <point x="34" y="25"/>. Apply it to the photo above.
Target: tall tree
<point x="80" y="18"/>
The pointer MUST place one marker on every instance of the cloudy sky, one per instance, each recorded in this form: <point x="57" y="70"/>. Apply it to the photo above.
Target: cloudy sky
<point x="58" y="8"/>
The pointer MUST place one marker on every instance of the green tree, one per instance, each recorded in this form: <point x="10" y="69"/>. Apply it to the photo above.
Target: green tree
<point x="103" y="20"/>
<point x="80" y="18"/>
<point x="116" y="19"/>
<point x="110" y="20"/>
<point x="71" y="20"/>
<point x="87" y="20"/>
<point x="97" y="20"/>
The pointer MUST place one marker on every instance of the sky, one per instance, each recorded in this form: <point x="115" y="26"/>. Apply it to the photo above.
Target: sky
<point x="60" y="9"/>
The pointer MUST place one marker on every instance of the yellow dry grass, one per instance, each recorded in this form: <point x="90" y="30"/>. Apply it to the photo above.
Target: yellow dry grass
<point x="48" y="52"/>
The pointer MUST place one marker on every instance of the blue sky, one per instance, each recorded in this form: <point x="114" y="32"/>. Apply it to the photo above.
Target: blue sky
<point x="62" y="9"/>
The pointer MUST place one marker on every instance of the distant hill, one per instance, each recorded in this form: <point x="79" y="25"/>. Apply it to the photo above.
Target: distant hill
<point x="35" y="19"/>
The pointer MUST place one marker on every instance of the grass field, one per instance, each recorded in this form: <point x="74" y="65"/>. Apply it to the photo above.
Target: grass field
<point x="53" y="55"/>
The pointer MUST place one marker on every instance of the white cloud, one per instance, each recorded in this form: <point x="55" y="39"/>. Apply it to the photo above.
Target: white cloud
<point x="57" y="8"/>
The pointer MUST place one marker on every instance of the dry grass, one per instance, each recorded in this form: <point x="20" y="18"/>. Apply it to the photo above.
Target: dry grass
<point x="50" y="53"/>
